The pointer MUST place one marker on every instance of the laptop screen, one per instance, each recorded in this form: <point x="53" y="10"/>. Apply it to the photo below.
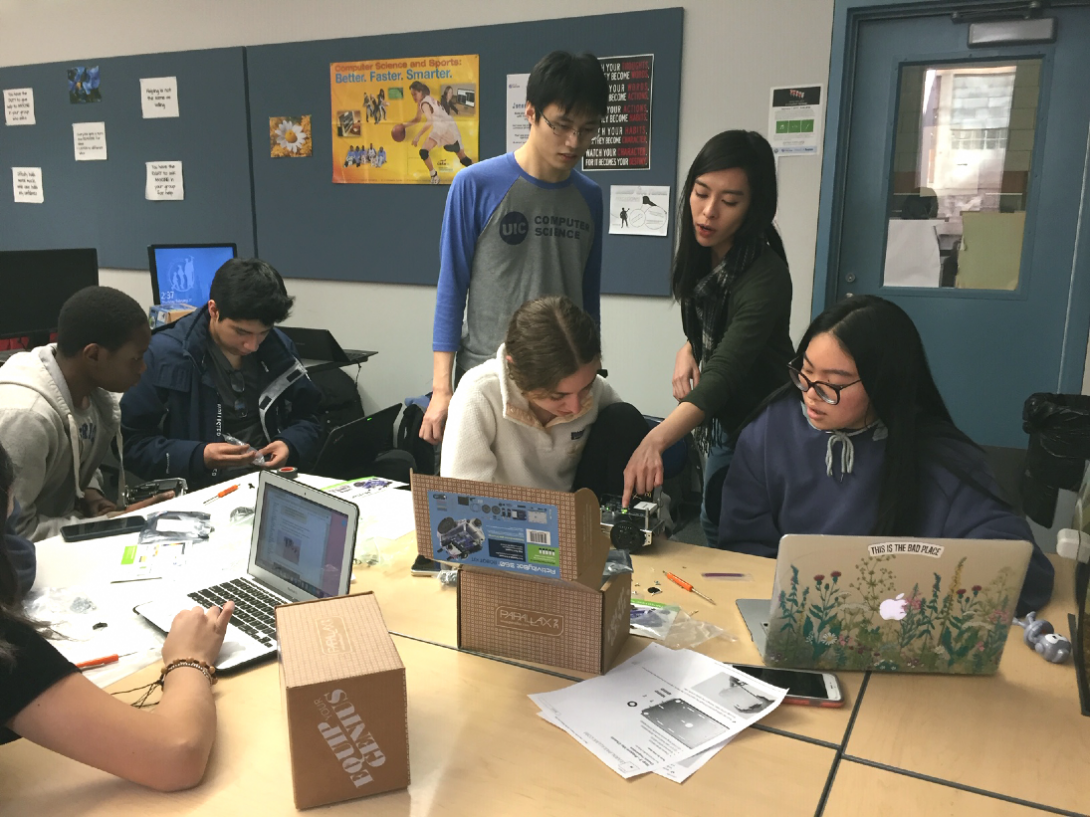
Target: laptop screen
<point x="183" y="274"/>
<point x="302" y="542"/>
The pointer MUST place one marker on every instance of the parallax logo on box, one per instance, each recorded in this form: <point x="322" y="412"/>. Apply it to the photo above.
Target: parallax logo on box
<point x="332" y="636"/>
<point x="530" y="621"/>
<point x="348" y="738"/>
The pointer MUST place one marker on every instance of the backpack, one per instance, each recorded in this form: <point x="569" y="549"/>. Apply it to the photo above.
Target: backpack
<point x="408" y="439"/>
<point x="341" y="402"/>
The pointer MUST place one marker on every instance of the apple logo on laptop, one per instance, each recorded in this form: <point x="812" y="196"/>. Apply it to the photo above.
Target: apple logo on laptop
<point x="894" y="609"/>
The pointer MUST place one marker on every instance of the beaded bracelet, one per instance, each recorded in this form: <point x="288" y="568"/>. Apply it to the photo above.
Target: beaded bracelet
<point x="208" y="670"/>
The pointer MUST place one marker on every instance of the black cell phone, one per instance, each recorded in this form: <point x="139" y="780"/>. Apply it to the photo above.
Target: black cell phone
<point x="423" y="566"/>
<point x="102" y="527"/>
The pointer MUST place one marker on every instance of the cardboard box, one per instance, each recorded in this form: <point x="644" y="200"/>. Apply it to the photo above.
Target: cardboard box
<point x="562" y="624"/>
<point x="344" y="686"/>
<point x="163" y="314"/>
<point x="527" y="531"/>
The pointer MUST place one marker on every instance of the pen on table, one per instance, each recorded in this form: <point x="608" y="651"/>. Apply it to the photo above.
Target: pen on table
<point x="221" y="494"/>
<point x="680" y="582"/>
<point x="103" y="661"/>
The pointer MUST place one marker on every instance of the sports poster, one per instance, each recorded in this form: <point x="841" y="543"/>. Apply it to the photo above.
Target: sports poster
<point x="404" y="121"/>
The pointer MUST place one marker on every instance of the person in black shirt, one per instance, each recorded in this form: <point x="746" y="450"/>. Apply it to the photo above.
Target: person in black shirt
<point x="43" y="697"/>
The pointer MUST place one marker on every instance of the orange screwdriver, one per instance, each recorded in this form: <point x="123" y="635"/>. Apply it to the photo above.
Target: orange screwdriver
<point x="684" y="585"/>
<point x="221" y="494"/>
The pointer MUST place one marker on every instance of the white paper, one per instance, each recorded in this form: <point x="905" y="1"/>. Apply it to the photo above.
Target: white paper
<point x="659" y="709"/>
<point x="356" y="489"/>
<point x="27" y="185"/>
<point x="796" y="119"/>
<point x="151" y="561"/>
<point x="912" y="253"/>
<point x="159" y="97"/>
<point x="19" y="106"/>
<point x="639" y="209"/>
<point x="518" y="127"/>
<point x="89" y="141"/>
<point x="164" y="182"/>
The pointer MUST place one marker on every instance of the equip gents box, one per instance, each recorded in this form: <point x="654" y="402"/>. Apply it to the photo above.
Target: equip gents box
<point x="531" y="532"/>
<point x="561" y="624"/>
<point x="344" y="685"/>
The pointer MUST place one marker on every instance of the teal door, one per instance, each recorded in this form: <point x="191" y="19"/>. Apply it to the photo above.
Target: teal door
<point x="964" y="186"/>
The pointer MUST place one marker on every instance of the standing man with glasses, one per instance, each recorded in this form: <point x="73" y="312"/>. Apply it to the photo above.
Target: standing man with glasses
<point x="223" y="371"/>
<point x="520" y="226"/>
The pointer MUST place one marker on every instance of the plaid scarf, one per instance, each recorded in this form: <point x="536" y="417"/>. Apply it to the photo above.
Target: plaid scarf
<point x="704" y="315"/>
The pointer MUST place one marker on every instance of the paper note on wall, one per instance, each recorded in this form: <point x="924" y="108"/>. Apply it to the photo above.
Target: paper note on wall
<point x="27" y="184"/>
<point x="89" y="141"/>
<point x="159" y="97"/>
<point x="518" y="126"/>
<point x="19" y="106"/>
<point x="164" y="182"/>
<point x="639" y="210"/>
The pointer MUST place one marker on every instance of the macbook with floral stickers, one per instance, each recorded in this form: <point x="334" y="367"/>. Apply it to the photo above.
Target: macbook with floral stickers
<point x="882" y="603"/>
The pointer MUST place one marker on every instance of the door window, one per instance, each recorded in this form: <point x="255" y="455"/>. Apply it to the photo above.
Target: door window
<point x="962" y="155"/>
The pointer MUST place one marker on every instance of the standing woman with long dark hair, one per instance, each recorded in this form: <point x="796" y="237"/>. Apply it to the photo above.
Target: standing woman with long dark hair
<point x="730" y="276"/>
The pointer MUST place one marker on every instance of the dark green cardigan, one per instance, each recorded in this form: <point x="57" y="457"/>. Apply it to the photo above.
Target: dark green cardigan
<point x="750" y="360"/>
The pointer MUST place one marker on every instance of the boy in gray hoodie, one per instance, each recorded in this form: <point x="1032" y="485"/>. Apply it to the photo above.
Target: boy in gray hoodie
<point x="59" y="408"/>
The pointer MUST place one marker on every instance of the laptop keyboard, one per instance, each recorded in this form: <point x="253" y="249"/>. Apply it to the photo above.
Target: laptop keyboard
<point x="253" y="607"/>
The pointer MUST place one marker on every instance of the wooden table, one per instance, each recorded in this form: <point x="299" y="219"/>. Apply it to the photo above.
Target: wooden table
<point x="422" y="608"/>
<point x="1018" y="733"/>
<point x="864" y="791"/>
<point x="929" y="744"/>
<point x="477" y="746"/>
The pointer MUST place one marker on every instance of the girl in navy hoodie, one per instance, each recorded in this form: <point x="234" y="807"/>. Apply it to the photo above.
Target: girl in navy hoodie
<point x="861" y="443"/>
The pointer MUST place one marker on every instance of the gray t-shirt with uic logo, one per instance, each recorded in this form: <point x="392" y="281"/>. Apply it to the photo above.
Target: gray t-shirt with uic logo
<point x="508" y="238"/>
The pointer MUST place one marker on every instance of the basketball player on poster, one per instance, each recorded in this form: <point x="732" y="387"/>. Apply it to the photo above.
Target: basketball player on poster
<point x="439" y="126"/>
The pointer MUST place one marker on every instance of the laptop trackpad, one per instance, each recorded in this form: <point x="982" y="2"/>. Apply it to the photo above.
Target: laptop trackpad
<point x="756" y="613"/>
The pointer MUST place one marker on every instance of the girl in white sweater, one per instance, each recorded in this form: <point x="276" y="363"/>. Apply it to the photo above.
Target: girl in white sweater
<point x="539" y="414"/>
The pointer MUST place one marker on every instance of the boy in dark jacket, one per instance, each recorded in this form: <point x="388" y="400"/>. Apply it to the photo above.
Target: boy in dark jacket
<point x="223" y="370"/>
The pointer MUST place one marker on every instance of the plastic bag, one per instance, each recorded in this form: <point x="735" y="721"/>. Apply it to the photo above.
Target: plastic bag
<point x="618" y="561"/>
<point x="1059" y="445"/>
<point x="689" y="632"/>
<point x="176" y="526"/>
<point x="652" y="619"/>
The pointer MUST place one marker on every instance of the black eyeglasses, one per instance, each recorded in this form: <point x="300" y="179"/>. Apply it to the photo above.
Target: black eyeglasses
<point x="828" y="392"/>
<point x="582" y="134"/>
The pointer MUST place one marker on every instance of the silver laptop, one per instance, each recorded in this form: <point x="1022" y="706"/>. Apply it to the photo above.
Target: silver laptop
<point x="881" y="603"/>
<point x="301" y="550"/>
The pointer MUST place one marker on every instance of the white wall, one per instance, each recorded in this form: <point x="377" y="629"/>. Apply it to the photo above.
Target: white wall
<point x="734" y="50"/>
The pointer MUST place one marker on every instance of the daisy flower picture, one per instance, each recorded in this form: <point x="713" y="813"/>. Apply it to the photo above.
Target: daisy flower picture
<point x="290" y="137"/>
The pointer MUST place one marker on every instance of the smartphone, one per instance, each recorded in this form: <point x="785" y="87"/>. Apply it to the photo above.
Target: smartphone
<point x="423" y="566"/>
<point x="102" y="527"/>
<point x="806" y="687"/>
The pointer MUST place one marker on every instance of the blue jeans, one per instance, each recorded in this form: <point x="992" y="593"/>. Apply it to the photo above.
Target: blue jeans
<point x="720" y="453"/>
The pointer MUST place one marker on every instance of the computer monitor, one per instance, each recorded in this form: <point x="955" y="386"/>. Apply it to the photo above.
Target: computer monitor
<point x="183" y="273"/>
<point x="34" y="284"/>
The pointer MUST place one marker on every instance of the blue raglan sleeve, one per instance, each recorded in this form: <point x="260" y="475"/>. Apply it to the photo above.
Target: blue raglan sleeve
<point x="592" y="272"/>
<point x="747" y="521"/>
<point x="457" y="244"/>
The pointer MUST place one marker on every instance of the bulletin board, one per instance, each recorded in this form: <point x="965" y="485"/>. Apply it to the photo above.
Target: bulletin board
<point x="101" y="204"/>
<point x="287" y="210"/>
<point x="308" y="227"/>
